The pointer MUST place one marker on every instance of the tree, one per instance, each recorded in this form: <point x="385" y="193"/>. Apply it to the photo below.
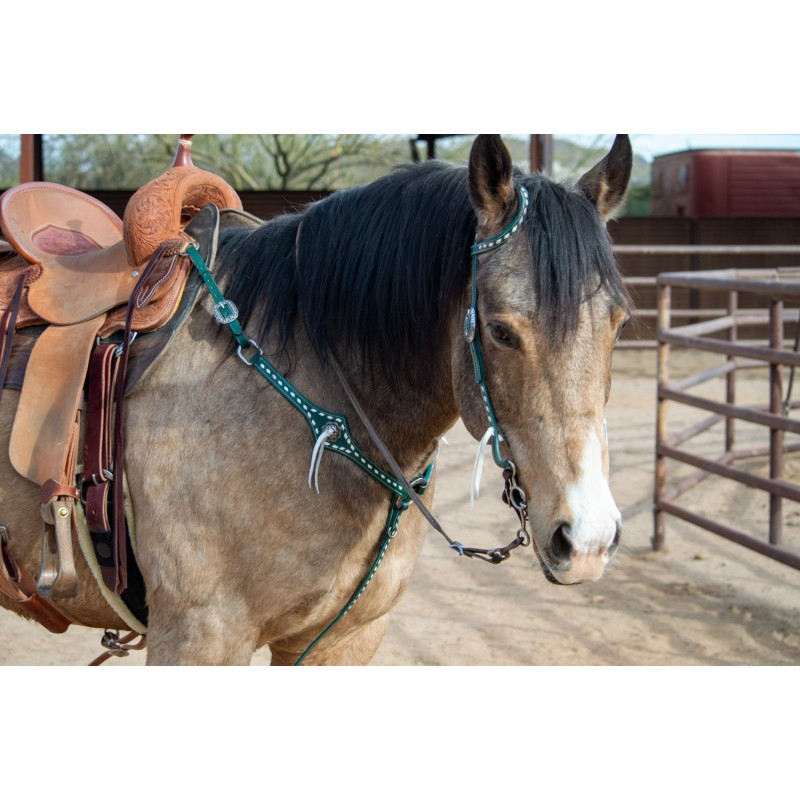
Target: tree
<point x="106" y="161"/>
<point x="285" y="161"/>
<point x="9" y="160"/>
<point x="246" y="161"/>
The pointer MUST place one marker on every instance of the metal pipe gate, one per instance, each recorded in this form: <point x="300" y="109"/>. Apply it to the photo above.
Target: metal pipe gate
<point x="721" y="335"/>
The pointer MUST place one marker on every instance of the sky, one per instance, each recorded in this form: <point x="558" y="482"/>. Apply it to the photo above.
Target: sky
<point x="649" y="145"/>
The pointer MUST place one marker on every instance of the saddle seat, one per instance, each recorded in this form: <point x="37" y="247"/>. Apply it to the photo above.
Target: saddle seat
<point x="77" y="270"/>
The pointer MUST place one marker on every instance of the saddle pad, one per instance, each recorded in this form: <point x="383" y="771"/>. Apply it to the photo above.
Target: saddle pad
<point x="51" y="394"/>
<point x="133" y="614"/>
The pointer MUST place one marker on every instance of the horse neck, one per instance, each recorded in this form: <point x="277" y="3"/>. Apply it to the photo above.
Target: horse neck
<point x="410" y="419"/>
<point x="409" y="416"/>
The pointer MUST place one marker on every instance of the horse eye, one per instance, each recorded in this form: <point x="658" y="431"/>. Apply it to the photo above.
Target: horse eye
<point x="502" y="335"/>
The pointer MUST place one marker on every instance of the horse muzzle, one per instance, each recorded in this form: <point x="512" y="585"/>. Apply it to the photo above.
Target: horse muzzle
<point x="565" y="562"/>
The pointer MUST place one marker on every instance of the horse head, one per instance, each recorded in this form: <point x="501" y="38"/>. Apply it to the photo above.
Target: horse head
<point x="549" y="305"/>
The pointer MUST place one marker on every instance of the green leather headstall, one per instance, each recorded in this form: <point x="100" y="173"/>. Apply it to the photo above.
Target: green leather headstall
<point x="471" y="327"/>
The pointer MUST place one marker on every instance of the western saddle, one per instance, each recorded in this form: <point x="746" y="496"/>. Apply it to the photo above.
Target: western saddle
<point x="89" y="282"/>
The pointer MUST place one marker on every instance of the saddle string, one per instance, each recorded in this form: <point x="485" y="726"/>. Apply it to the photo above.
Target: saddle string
<point x="477" y="470"/>
<point x="329" y="432"/>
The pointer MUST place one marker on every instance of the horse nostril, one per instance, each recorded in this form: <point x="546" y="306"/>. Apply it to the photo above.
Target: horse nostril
<point x="561" y="543"/>
<point x="615" y="541"/>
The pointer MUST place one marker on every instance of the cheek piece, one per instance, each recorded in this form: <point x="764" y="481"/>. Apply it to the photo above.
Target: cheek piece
<point x="513" y="494"/>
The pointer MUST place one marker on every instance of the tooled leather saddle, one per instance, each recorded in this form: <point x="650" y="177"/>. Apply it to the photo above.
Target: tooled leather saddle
<point x="85" y="282"/>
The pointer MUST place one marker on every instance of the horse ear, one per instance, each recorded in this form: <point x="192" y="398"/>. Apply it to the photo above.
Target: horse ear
<point x="605" y="184"/>
<point x="491" y="183"/>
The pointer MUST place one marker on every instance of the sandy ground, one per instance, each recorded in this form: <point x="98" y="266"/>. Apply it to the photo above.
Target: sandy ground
<point x="701" y="601"/>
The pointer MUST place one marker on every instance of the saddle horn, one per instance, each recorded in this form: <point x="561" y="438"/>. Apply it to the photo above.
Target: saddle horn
<point x="183" y="155"/>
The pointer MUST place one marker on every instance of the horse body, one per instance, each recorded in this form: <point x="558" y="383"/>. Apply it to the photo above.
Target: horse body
<point x="236" y="551"/>
<point x="279" y="561"/>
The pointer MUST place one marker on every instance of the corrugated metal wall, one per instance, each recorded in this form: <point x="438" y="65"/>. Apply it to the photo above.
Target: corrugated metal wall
<point x="764" y="186"/>
<point x="724" y="183"/>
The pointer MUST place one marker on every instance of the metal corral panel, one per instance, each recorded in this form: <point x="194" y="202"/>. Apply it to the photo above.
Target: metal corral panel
<point x="727" y="183"/>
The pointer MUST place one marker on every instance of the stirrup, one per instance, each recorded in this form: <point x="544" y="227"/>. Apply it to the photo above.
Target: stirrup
<point x="57" y="576"/>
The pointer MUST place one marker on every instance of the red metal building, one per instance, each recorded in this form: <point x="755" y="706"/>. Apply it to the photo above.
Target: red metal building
<point x="727" y="183"/>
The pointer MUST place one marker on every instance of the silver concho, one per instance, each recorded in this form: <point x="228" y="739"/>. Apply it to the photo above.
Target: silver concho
<point x="470" y="324"/>
<point x="225" y="312"/>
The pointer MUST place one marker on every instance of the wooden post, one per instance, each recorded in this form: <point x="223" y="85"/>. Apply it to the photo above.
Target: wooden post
<point x="541" y="150"/>
<point x="431" y="148"/>
<point x="30" y="158"/>
<point x="664" y="292"/>
<point x="730" y="378"/>
<point x="776" y="407"/>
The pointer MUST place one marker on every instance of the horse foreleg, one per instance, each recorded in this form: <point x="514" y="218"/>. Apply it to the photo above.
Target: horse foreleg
<point x="351" y="650"/>
<point x="199" y="635"/>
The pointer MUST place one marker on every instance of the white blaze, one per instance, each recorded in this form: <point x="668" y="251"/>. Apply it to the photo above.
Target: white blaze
<point x="595" y="516"/>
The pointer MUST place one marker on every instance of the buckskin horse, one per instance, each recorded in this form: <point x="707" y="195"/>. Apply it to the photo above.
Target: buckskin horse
<point x="265" y="492"/>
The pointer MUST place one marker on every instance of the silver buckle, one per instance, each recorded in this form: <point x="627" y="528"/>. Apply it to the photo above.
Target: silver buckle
<point x="118" y="352"/>
<point x="225" y="312"/>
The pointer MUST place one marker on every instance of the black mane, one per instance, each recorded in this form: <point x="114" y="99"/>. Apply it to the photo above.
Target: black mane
<point x="379" y="268"/>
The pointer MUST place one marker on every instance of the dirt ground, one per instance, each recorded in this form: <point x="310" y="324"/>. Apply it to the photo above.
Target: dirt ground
<point x="701" y="601"/>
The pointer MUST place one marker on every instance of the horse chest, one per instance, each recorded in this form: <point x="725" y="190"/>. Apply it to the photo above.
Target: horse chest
<point x="331" y="571"/>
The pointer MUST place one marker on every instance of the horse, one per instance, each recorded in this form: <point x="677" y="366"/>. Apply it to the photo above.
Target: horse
<point x="357" y="301"/>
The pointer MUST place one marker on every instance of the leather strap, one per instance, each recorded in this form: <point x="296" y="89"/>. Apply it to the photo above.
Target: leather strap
<point x="52" y="489"/>
<point x="119" y="645"/>
<point x="97" y="449"/>
<point x="98" y="457"/>
<point x="8" y="325"/>
<point x="18" y="585"/>
<point x="494" y="555"/>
